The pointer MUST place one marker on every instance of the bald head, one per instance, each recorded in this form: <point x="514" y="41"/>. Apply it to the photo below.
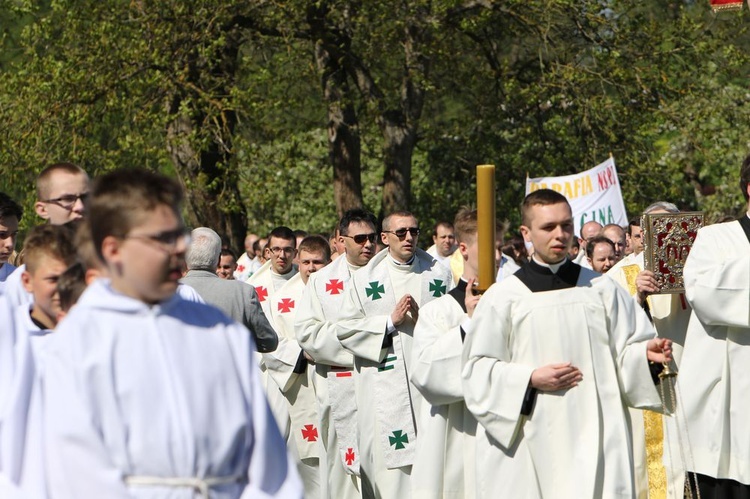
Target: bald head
<point x="589" y="230"/>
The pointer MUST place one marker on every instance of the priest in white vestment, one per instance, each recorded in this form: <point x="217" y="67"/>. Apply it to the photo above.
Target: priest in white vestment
<point x="319" y="311"/>
<point x="555" y="354"/>
<point x="282" y="246"/>
<point x="669" y="315"/>
<point x="291" y="369"/>
<point x="713" y="381"/>
<point x="378" y="317"/>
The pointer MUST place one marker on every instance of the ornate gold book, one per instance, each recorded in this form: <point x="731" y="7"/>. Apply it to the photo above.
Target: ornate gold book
<point x="667" y="239"/>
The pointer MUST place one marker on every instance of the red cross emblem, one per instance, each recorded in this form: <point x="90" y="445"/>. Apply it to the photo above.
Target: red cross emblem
<point x="286" y="305"/>
<point x="240" y="268"/>
<point x="310" y="433"/>
<point x="262" y="293"/>
<point x="334" y="287"/>
<point x="349" y="456"/>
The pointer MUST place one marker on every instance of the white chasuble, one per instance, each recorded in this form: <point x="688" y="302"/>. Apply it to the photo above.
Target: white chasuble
<point x="293" y="375"/>
<point x="713" y="382"/>
<point x="572" y="443"/>
<point x="319" y="310"/>
<point x="444" y="461"/>
<point x="264" y="281"/>
<point x="386" y="401"/>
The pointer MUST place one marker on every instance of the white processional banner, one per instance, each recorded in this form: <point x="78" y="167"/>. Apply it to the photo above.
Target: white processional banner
<point x="593" y="195"/>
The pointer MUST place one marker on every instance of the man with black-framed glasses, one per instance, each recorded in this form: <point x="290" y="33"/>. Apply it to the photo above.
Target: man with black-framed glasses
<point x="61" y="190"/>
<point x="378" y="315"/>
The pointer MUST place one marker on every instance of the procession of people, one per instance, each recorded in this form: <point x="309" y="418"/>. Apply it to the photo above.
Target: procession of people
<point x="142" y="358"/>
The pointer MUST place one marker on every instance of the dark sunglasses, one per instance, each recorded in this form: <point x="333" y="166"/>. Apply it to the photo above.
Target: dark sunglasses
<point x="401" y="233"/>
<point x="363" y="238"/>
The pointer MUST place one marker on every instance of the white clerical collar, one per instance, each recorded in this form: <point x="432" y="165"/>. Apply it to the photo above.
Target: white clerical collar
<point x="400" y="264"/>
<point x="748" y="214"/>
<point x="554" y="267"/>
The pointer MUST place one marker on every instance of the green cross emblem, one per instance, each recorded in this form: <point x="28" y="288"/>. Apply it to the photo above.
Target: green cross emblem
<point x="437" y="288"/>
<point x="398" y="439"/>
<point x="375" y="290"/>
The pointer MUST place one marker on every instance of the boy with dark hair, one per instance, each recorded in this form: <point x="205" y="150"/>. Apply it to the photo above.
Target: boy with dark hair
<point x="130" y="380"/>
<point x="10" y="215"/>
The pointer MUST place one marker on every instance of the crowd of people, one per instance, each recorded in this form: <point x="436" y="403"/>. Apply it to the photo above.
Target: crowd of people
<point x="140" y="358"/>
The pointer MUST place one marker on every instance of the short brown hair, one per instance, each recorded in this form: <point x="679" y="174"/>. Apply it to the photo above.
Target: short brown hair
<point x="542" y="197"/>
<point x="401" y="213"/>
<point x="121" y="199"/>
<point x="43" y="180"/>
<point x="591" y="244"/>
<point x="316" y="244"/>
<point x="55" y="241"/>
<point x="465" y="224"/>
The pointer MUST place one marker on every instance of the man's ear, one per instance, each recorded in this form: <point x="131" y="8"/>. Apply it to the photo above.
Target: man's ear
<point x="26" y="281"/>
<point x="464" y="249"/>
<point x="41" y="210"/>
<point x="384" y="238"/>
<point x="526" y="233"/>
<point x="111" y="249"/>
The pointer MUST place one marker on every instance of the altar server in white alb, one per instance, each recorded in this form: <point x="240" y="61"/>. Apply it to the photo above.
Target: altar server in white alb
<point x="319" y="311"/>
<point x="444" y="462"/>
<point x="378" y="317"/>
<point x="713" y="382"/>
<point x="146" y="394"/>
<point x="290" y="368"/>
<point x="555" y="354"/>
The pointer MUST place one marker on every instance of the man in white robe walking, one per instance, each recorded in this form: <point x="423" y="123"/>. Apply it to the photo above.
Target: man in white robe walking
<point x="378" y="317"/>
<point x="444" y="461"/>
<point x="146" y="394"/>
<point x="713" y="381"/>
<point x="319" y="311"/>
<point x="555" y="353"/>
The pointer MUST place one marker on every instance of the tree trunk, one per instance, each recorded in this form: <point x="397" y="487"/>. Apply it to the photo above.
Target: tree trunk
<point x="344" y="147"/>
<point x="399" y="140"/>
<point x="399" y="127"/>
<point x="211" y="192"/>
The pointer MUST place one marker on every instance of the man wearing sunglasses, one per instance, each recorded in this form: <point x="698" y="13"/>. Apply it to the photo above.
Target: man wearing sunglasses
<point x="319" y="311"/>
<point x="378" y="315"/>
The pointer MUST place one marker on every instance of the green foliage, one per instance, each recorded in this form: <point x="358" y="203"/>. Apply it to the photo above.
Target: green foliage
<point x="534" y="87"/>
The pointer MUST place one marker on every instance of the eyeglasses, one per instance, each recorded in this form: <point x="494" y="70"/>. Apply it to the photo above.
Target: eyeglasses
<point x="401" y="233"/>
<point x="167" y="241"/>
<point x="363" y="238"/>
<point x="68" y="201"/>
<point x="277" y="251"/>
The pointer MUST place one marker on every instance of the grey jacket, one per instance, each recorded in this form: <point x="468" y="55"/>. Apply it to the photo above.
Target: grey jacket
<point x="238" y="300"/>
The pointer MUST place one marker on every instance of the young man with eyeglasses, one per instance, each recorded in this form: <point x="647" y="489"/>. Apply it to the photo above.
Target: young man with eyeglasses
<point x="279" y="268"/>
<point x="317" y="315"/>
<point x="292" y="370"/>
<point x="378" y="315"/>
<point x="146" y="394"/>
<point x="61" y="190"/>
